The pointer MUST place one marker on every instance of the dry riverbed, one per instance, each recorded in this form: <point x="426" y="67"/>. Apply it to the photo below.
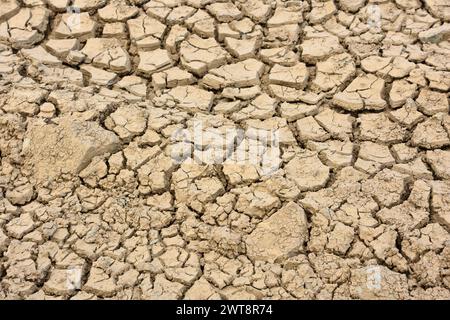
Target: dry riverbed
<point x="245" y="149"/>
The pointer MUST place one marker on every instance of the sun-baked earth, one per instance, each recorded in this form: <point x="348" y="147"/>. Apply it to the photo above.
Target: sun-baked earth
<point x="93" y="205"/>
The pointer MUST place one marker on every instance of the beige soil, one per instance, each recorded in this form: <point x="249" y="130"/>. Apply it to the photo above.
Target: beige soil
<point x="93" y="204"/>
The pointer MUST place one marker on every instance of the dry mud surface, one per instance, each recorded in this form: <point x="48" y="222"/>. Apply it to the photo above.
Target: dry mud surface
<point x="348" y="197"/>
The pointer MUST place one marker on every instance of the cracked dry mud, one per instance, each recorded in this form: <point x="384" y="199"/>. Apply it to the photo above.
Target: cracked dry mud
<point x="93" y="204"/>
